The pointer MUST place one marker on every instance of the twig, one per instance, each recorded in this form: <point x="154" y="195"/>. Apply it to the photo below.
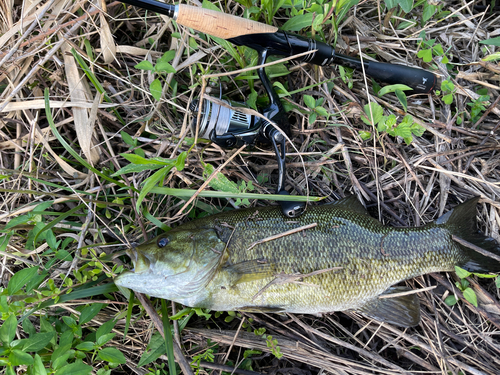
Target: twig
<point x="392" y="295"/>
<point x="276" y="236"/>
<point x="465" y="243"/>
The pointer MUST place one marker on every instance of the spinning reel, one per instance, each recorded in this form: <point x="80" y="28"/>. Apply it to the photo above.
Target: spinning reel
<point x="230" y="128"/>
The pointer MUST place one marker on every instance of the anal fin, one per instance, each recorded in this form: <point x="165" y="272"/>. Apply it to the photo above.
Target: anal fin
<point x="403" y="311"/>
<point x="261" y="309"/>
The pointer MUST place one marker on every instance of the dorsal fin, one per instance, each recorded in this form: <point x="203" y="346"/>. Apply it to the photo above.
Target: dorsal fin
<point x="351" y="203"/>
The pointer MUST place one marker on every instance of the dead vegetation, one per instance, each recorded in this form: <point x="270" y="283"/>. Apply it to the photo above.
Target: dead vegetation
<point x="402" y="184"/>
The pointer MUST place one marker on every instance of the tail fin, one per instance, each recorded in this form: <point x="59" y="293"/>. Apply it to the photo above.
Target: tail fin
<point x="461" y="221"/>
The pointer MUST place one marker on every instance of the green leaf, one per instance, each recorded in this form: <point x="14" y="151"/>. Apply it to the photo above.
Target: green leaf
<point x="309" y="101"/>
<point x="438" y="50"/>
<point x="373" y="111"/>
<point x="403" y="130"/>
<point x="365" y="135"/>
<point x="69" y="321"/>
<point x="137" y="159"/>
<point x="448" y="99"/>
<point x="208" y="5"/>
<point x="168" y="56"/>
<point x="219" y="182"/>
<point x="23" y="219"/>
<point x="181" y="161"/>
<point x="127" y="138"/>
<point x="38" y="366"/>
<point x="461" y="272"/>
<point x="112" y="355"/>
<point x="382" y="125"/>
<point x="298" y="22"/>
<point x="77" y="368"/>
<point x="406" y="5"/>
<point x="105" y="328"/>
<point x="493" y="57"/>
<point x="164" y="66"/>
<point x="485" y="275"/>
<point x="402" y="99"/>
<point x="282" y="91"/>
<point x="18" y="357"/>
<point x="29" y="327"/>
<point x="321" y="111"/>
<point x="252" y="99"/>
<point x="392" y="88"/>
<point x="155" y="89"/>
<point x="492" y="41"/>
<point x="417" y="129"/>
<point x="450" y="300"/>
<point x="150" y="183"/>
<point x="89" y="312"/>
<point x="20" y="279"/>
<point x="470" y="296"/>
<point x="60" y="359"/>
<point x="103" y="339"/>
<point x="155" y="349"/>
<point x="425" y="54"/>
<point x="145" y="65"/>
<point x="318" y="21"/>
<point x="391" y="3"/>
<point x="8" y="330"/>
<point x="38" y="341"/>
<point x="135" y="168"/>
<point x="86" y="346"/>
<point x="312" y="118"/>
<point x="428" y="11"/>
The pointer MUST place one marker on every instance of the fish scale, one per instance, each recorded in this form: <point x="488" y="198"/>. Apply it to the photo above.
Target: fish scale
<point x="218" y="263"/>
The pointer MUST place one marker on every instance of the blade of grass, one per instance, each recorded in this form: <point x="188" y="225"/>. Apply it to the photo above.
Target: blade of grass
<point x="129" y="313"/>
<point x="169" y="342"/>
<point x="187" y="193"/>
<point x="57" y="220"/>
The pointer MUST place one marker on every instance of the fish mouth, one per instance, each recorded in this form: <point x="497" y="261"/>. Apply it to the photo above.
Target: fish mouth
<point x="140" y="262"/>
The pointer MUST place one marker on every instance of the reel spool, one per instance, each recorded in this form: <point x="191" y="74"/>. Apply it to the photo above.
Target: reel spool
<point x="219" y="120"/>
<point x="227" y="127"/>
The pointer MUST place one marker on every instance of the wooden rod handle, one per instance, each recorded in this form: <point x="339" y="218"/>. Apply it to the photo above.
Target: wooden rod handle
<point x="219" y="24"/>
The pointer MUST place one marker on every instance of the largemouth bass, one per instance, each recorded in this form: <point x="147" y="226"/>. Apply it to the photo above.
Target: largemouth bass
<point x="334" y="257"/>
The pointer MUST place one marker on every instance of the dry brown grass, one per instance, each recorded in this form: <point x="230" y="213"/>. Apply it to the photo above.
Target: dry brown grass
<point x="401" y="184"/>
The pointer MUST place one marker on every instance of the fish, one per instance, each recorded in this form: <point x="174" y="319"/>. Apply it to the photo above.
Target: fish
<point x="334" y="257"/>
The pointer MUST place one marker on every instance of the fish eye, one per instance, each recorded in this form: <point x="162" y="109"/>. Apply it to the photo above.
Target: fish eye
<point x="162" y="241"/>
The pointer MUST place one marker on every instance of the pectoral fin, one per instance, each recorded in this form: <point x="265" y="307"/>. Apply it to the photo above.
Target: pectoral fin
<point x="403" y="311"/>
<point x="251" y="270"/>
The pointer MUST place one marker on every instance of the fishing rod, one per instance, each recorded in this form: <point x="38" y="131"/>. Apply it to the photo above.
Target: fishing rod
<point x="228" y="127"/>
<point x="260" y="37"/>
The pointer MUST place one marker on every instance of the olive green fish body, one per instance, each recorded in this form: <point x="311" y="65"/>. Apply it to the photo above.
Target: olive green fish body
<point x="338" y="258"/>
